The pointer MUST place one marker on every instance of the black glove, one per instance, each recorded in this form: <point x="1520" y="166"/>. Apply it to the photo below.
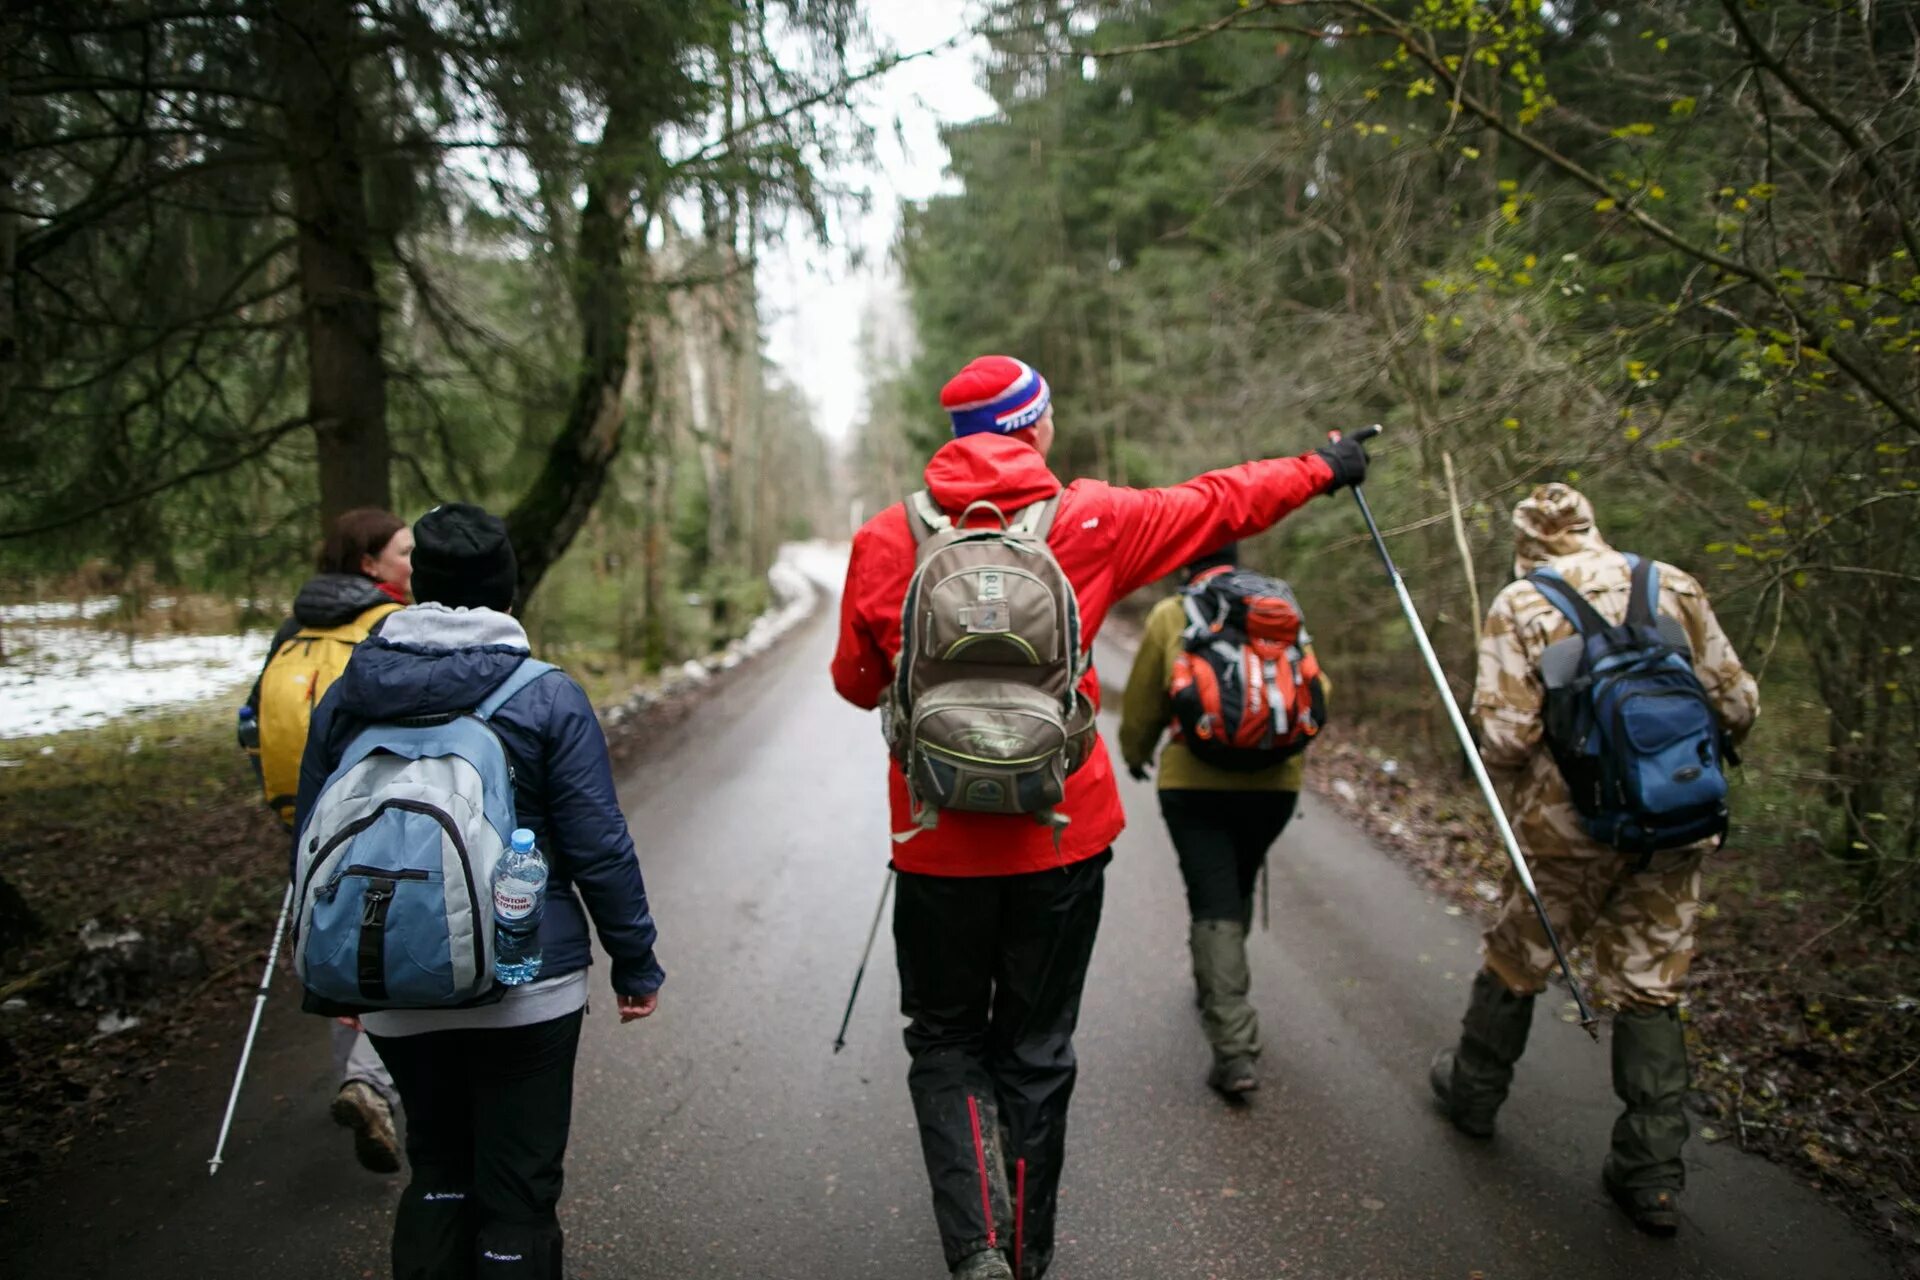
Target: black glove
<point x="1348" y="460"/>
<point x="1139" y="771"/>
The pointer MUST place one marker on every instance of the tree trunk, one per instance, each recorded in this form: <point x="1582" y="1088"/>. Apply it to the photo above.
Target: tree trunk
<point x="314" y="46"/>
<point x="9" y="341"/>
<point x="558" y="502"/>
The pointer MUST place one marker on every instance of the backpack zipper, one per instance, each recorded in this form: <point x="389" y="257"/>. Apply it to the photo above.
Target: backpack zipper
<point x="360" y="824"/>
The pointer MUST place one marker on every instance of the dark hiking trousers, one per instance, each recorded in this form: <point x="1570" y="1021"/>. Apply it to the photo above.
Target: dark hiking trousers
<point x="1222" y="838"/>
<point x="487" y="1119"/>
<point x="991" y="970"/>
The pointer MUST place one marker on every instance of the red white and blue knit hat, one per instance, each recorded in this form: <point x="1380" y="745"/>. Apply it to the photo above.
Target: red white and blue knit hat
<point x="995" y="393"/>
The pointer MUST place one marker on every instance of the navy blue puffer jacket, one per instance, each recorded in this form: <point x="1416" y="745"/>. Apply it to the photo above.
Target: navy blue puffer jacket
<point x="428" y="660"/>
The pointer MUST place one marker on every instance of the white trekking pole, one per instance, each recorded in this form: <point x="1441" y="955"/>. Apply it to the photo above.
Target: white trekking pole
<point x="253" y="1028"/>
<point x="1479" y="767"/>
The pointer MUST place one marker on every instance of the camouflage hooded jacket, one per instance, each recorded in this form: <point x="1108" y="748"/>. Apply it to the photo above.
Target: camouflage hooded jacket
<point x="1555" y="527"/>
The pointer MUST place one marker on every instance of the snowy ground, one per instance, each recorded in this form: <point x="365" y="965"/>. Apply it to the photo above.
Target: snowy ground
<point x="73" y="676"/>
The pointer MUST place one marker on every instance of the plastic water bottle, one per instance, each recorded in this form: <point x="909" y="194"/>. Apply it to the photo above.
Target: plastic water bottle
<point x="246" y="730"/>
<point x="519" y="894"/>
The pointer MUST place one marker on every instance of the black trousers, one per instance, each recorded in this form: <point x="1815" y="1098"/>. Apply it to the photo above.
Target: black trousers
<point x="487" y="1120"/>
<point x="991" y="970"/>
<point x="1222" y="838"/>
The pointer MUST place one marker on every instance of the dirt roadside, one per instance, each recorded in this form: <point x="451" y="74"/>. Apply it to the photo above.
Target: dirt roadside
<point x="1802" y="1021"/>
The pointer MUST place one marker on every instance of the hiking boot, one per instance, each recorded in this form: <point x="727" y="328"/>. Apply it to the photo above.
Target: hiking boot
<point x="1219" y="952"/>
<point x="1234" y="1077"/>
<point x="1472" y="1078"/>
<point x="1644" y="1172"/>
<point x="988" y="1264"/>
<point x="359" y="1107"/>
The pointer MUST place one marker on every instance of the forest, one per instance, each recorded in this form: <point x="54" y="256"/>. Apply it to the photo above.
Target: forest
<point x="263" y="261"/>
<point x="1663" y="252"/>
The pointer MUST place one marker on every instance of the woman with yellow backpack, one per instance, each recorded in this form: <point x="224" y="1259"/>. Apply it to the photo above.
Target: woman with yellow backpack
<point x="365" y="570"/>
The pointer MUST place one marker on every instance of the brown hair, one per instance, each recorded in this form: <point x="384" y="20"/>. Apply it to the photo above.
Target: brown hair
<point x="361" y="532"/>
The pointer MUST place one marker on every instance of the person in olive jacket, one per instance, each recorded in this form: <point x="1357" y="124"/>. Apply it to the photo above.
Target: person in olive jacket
<point x="1222" y="822"/>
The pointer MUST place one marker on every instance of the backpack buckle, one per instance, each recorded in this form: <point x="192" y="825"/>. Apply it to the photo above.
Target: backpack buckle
<point x="378" y="892"/>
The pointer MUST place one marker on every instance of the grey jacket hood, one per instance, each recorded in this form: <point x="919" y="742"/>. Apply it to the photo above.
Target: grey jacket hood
<point x="437" y="626"/>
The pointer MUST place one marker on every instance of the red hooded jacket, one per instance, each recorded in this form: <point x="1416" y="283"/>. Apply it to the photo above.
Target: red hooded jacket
<point x="1109" y="541"/>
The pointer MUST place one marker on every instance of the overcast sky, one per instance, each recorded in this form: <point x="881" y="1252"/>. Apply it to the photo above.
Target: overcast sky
<point x="813" y="296"/>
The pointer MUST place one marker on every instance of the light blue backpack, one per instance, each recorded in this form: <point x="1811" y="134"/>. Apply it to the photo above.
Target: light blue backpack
<point x="393" y="879"/>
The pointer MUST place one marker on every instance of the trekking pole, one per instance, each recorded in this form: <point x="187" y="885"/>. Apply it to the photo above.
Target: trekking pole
<point x="1479" y="767"/>
<point x="840" y="1041"/>
<point x="246" y="1050"/>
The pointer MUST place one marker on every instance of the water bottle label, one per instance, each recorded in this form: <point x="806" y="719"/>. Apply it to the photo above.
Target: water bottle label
<point x="514" y="900"/>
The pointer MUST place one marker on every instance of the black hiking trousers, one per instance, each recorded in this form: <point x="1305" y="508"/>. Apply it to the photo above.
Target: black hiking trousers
<point x="991" y="970"/>
<point x="1222" y="838"/>
<point x="488" y="1113"/>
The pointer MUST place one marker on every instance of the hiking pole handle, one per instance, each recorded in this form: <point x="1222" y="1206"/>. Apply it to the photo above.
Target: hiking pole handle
<point x="873" y="931"/>
<point x="253" y="1028"/>
<point x="1474" y="762"/>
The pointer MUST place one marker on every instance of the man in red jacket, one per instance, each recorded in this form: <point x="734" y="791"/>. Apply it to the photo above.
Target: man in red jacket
<point x="995" y="915"/>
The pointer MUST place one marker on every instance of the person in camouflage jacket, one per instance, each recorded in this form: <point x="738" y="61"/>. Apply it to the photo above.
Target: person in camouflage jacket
<point x="1637" y="921"/>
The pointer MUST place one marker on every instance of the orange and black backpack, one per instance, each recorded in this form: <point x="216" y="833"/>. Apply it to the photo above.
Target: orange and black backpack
<point x="1246" y="686"/>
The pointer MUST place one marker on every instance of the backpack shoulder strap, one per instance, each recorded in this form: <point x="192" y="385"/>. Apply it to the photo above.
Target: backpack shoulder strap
<point x="1643" y="599"/>
<point x="1196" y="596"/>
<point x="1560" y="594"/>
<point x="1037" y="519"/>
<point x="375" y="618"/>
<point x="523" y="675"/>
<point x="924" y="516"/>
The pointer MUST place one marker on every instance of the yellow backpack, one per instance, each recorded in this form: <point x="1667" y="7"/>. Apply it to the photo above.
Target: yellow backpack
<point x="295" y="679"/>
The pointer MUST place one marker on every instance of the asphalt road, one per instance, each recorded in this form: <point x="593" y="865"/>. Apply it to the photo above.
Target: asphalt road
<point x="722" y="1138"/>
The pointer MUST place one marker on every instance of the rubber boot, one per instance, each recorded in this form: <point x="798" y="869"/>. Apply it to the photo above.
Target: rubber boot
<point x="1219" y="949"/>
<point x="1644" y="1172"/>
<point x="1472" y="1078"/>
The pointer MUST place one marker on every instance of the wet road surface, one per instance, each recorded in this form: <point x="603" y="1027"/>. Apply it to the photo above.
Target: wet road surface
<point x="723" y="1138"/>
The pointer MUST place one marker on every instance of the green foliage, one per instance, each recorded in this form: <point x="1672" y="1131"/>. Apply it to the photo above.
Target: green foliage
<point x="155" y="395"/>
<point x="1660" y="251"/>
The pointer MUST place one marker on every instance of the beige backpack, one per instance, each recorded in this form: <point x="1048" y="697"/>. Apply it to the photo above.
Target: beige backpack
<point x="985" y="713"/>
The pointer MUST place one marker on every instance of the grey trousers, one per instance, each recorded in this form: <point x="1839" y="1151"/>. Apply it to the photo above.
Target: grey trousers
<point x="354" y="1059"/>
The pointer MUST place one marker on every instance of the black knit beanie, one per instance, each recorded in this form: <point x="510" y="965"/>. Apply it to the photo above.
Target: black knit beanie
<point x="463" y="558"/>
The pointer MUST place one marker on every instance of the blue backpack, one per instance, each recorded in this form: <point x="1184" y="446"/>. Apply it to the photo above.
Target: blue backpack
<point x="393" y="870"/>
<point x="1629" y="724"/>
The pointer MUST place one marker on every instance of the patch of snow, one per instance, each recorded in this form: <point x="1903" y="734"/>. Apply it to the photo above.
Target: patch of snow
<point x="76" y="679"/>
<point x="112" y="1024"/>
<point x="95" y="938"/>
<point x="60" y="610"/>
<point x="1345" y="790"/>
